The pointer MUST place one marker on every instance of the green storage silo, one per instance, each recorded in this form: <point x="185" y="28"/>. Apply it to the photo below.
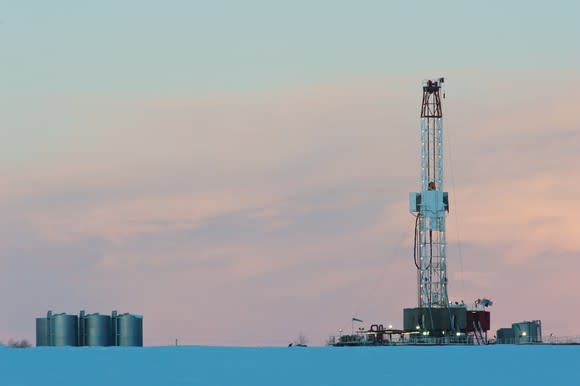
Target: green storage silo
<point x="95" y="330"/>
<point x="42" y="332"/>
<point x="63" y="330"/>
<point x="127" y="329"/>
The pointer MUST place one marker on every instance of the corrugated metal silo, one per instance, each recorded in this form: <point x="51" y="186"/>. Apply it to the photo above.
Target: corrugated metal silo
<point x="63" y="330"/>
<point x="97" y="330"/>
<point x="42" y="332"/>
<point x="128" y="330"/>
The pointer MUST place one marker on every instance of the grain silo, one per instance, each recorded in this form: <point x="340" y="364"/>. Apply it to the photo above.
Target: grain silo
<point x="42" y="332"/>
<point x="63" y="329"/>
<point x="89" y="330"/>
<point x="127" y="329"/>
<point x="95" y="330"/>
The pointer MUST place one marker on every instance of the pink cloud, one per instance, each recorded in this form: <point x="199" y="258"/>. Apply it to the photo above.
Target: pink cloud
<point x="282" y="161"/>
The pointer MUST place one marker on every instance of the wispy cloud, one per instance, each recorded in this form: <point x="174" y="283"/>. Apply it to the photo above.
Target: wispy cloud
<point x="260" y="209"/>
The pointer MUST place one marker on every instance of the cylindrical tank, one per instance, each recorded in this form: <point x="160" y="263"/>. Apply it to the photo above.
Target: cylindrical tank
<point x="128" y="330"/>
<point x="42" y="332"/>
<point x="63" y="330"/>
<point x="97" y="330"/>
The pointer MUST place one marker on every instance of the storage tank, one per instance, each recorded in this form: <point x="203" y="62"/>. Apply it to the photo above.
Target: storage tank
<point x="528" y="331"/>
<point x="505" y="336"/>
<point x="96" y="330"/>
<point x="127" y="330"/>
<point x="63" y="330"/>
<point x="42" y="332"/>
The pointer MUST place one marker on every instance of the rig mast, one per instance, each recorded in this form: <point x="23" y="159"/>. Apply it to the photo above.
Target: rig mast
<point x="430" y="205"/>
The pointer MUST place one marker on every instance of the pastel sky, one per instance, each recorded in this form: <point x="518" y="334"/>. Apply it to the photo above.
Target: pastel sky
<point x="238" y="171"/>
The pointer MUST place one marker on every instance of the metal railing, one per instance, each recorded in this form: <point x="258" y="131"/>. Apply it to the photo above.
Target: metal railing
<point x="420" y="340"/>
<point x="397" y="340"/>
<point x="561" y="340"/>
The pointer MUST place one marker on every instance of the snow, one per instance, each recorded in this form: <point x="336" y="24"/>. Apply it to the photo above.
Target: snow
<point x="353" y="366"/>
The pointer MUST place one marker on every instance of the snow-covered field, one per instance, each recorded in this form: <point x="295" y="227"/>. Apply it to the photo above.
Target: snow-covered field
<point x="416" y="366"/>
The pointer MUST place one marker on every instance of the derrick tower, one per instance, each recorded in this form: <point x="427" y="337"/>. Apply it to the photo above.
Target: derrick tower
<point x="430" y="205"/>
<point x="435" y="317"/>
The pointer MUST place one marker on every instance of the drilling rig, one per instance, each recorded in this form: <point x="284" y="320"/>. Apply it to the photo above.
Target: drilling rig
<point x="435" y="319"/>
<point x="435" y="316"/>
<point x="431" y="204"/>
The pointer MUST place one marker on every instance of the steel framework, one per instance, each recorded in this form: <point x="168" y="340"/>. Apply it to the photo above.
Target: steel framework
<point x="431" y="204"/>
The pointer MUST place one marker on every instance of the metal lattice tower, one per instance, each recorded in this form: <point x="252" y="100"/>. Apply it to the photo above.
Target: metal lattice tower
<point x="431" y="204"/>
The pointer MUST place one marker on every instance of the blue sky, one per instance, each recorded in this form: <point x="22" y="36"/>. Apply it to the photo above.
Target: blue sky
<point x="135" y="49"/>
<point x="195" y="47"/>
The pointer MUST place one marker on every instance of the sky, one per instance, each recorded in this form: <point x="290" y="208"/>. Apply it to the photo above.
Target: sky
<point x="238" y="172"/>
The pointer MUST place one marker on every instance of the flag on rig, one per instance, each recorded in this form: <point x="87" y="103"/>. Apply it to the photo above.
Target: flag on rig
<point x="356" y="320"/>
